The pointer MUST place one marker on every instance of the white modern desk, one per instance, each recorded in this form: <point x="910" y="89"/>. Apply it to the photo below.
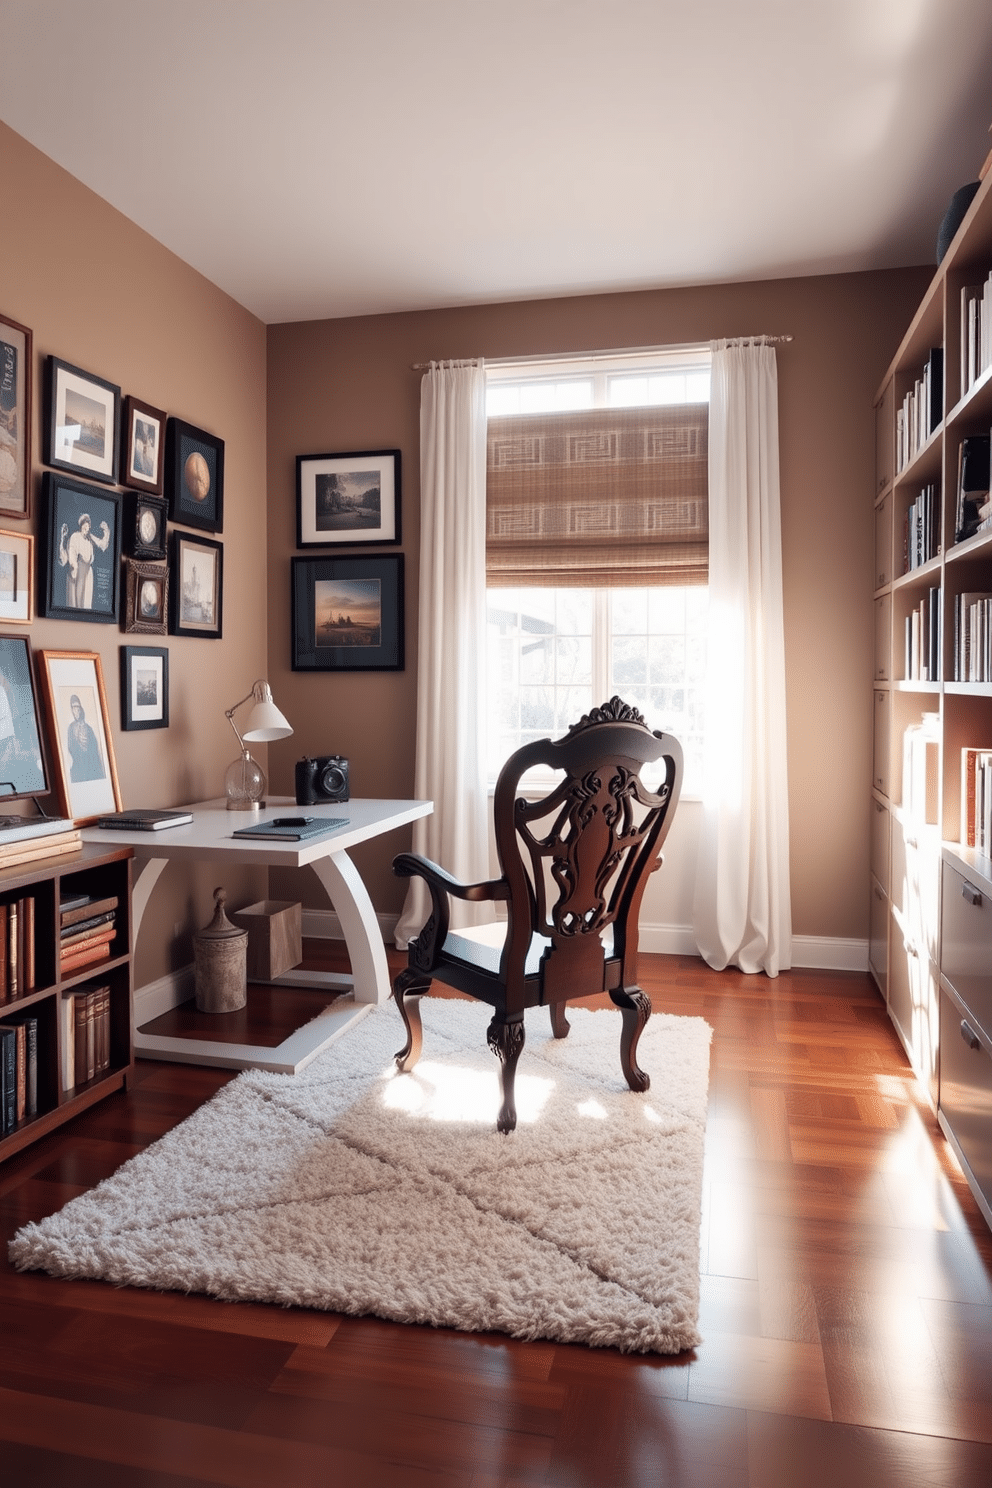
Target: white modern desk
<point x="209" y="838"/>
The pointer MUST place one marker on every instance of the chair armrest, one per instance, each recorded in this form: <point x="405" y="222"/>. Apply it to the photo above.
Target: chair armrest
<point x="424" y="950"/>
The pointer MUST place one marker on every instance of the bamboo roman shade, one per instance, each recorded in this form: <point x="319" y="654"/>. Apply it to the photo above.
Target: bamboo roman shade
<point x="599" y="497"/>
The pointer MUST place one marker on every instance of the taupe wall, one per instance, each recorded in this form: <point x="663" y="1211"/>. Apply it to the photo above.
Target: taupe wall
<point x="100" y="293"/>
<point x="348" y="385"/>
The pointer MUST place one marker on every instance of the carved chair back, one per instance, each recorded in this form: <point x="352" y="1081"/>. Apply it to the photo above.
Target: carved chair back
<point x="577" y="859"/>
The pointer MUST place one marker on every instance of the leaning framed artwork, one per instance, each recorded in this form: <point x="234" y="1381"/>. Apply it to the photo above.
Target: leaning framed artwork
<point x="82" y="429"/>
<point x="22" y="763"/>
<point x="142" y="446"/>
<point x="16" y="578"/>
<point x="82" y="557"/>
<point x="15" y="418"/>
<point x="144" y="687"/>
<point x="348" y="500"/>
<point x="79" y="734"/>
<point x="196" y="586"/>
<point x="348" y="614"/>
<point x="194" y="475"/>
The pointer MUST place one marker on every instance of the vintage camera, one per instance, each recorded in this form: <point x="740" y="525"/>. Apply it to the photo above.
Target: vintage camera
<point x="322" y="779"/>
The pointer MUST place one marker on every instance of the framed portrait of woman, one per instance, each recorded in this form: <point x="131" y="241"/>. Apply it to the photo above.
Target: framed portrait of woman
<point x="82" y="747"/>
<point x="82" y="560"/>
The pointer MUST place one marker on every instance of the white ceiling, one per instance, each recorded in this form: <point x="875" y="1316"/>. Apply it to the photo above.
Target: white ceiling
<point x="344" y="157"/>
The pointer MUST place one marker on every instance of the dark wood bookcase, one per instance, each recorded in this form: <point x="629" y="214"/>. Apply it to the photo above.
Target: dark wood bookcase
<point x="99" y="872"/>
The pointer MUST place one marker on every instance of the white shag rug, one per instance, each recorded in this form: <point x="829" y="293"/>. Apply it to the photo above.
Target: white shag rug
<point x="355" y="1189"/>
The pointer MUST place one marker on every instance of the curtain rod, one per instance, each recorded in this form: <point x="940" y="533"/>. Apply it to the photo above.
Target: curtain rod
<point x="591" y="356"/>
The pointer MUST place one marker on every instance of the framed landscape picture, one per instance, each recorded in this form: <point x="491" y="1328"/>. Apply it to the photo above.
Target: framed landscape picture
<point x="196" y="582"/>
<point x="83" y="424"/>
<point x="194" y="466"/>
<point x="348" y="614"/>
<point x="144" y="687"/>
<point x="22" y="764"/>
<point x="82" y="557"/>
<point x="142" y="446"/>
<point x="16" y="578"/>
<point x="79" y="734"/>
<point x="15" y="418"/>
<point x="348" y="500"/>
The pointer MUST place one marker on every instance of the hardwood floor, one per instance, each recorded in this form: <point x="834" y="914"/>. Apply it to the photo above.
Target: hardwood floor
<point x="846" y="1309"/>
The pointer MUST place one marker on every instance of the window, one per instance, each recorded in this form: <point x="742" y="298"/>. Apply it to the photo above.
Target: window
<point x="556" y="650"/>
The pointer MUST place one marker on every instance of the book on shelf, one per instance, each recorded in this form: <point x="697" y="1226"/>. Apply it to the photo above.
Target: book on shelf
<point x="80" y="929"/>
<point x="25" y="829"/>
<point x="98" y="935"/>
<point x="973" y="484"/>
<point x="27" y="1066"/>
<point x="8" y="1078"/>
<point x="84" y="907"/>
<point x="922" y="409"/>
<point x="15" y="854"/>
<point x="88" y="956"/>
<point x="976" y="332"/>
<point x="17" y="947"/>
<point x="971" y="764"/>
<point x="85" y="1035"/>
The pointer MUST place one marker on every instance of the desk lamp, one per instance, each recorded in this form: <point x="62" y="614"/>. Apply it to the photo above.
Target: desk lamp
<point x="244" y="780"/>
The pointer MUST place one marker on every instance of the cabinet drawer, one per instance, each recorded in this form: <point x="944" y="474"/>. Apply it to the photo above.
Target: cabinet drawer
<point x="966" y="1089"/>
<point x="966" y="943"/>
<point x="883" y="621"/>
<point x="879" y="862"/>
<point x="880" y="756"/>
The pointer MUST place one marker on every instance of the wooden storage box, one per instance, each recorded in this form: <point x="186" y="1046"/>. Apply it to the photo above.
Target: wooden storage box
<point x="275" y="937"/>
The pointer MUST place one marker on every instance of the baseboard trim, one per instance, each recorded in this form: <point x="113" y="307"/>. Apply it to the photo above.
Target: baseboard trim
<point x="816" y="952"/>
<point x="158" y="997"/>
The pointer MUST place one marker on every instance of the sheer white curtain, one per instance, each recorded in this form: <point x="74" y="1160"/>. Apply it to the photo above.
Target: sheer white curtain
<point x="743" y="913"/>
<point x="450" y="755"/>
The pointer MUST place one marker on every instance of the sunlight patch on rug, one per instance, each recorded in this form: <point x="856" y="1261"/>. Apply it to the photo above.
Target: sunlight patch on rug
<point x="355" y="1189"/>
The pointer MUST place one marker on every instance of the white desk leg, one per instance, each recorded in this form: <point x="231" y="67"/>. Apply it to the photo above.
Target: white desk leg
<point x="344" y="887"/>
<point x="149" y="874"/>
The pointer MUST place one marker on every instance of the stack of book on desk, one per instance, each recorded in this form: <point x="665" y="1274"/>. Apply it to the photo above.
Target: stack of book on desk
<point x="85" y="1035"/>
<point x="33" y="841"/>
<point x="87" y="927"/>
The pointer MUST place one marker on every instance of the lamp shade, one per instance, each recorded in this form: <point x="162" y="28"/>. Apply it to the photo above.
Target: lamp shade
<point x="265" y="722"/>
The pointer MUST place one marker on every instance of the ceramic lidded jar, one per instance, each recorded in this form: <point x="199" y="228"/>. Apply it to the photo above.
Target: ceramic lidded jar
<point x="220" y="952"/>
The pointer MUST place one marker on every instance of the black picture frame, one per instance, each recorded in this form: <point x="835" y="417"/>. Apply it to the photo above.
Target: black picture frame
<point x="16" y="380"/>
<point x="194" y="474"/>
<point x="357" y="601"/>
<point x="196" y="586"/>
<point x="144" y="687"/>
<point x="146" y="598"/>
<point x="348" y="500"/>
<point x="80" y="567"/>
<point x="83" y="423"/>
<point x="22" y="759"/>
<point x="145" y="529"/>
<point x="143" y="446"/>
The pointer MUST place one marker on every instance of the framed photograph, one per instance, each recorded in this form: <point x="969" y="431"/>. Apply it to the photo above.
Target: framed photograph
<point x="144" y="526"/>
<point x="82" y="558"/>
<point x="79" y="734"/>
<point x="142" y="446"/>
<point x="348" y="500"/>
<point x="15" y="417"/>
<point x="22" y="761"/>
<point x="16" y="578"/>
<point x="146" y="598"/>
<point x="83" y="426"/>
<point x="144" y="687"/>
<point x="194" y="474"/>
<point x="196" y="583"/>
<point x="348" y="614"/>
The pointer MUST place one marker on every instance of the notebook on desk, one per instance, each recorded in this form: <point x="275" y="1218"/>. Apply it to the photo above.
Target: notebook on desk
<point x="144" y="820"/>
<point x="303" y="831"/>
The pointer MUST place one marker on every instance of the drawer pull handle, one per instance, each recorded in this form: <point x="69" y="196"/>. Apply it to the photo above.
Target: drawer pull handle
<point x="969" y="892"/>
<point x="970" y="1036"/>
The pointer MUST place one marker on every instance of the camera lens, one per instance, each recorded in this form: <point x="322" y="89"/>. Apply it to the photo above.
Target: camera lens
<point x="332" y="780"/>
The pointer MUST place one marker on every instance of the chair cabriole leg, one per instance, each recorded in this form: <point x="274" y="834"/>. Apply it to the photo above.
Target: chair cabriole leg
<point x="408" y="989"/>
<point x="506" y="1041"/>
<point x="635" y="1009"/>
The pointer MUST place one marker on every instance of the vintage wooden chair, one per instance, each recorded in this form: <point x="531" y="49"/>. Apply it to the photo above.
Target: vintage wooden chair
<point x="574" y="865"/>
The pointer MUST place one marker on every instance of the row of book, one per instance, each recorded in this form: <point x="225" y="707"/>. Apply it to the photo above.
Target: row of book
<point x="921" y="534"/>
<point x="922" y="662"/>
<point x="976" y="332"/>
<point x="87" y="929"/>
<point x="38" y="839"/>
<point x="18" y="1072"/>
<point x="17" y="947"/>
<point x="85" y="1035"/>
<point x="976" y="799"/>
<point x="922" y="410"/>
<point x="973" y="637"/>
<point x="973" y="485"/>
